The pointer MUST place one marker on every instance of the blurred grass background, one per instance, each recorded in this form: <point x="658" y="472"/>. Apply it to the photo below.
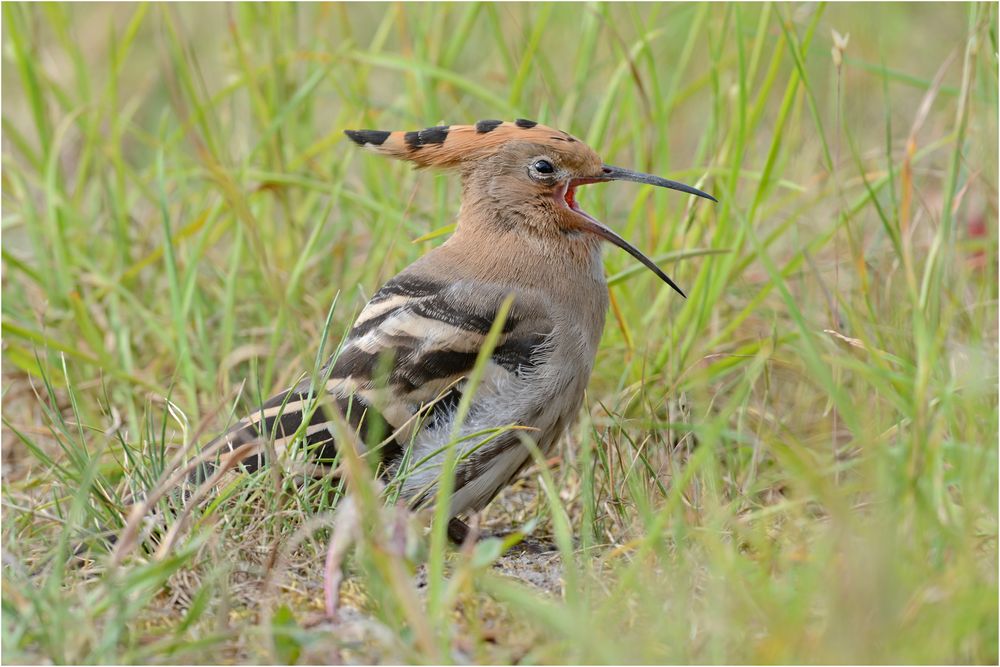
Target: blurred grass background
<point x="796" y="464"/>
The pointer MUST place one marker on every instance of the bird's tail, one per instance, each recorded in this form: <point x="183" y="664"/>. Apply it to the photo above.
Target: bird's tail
<point x="300" y="412"/>
<point x="275" y="425"/>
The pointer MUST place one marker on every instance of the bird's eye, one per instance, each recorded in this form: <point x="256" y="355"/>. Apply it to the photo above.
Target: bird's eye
<point x="543" y="167"/>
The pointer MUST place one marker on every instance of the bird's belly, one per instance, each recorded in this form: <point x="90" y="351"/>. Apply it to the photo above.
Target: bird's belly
<point x="481" y="477"/>
<point x="538" y="405"/>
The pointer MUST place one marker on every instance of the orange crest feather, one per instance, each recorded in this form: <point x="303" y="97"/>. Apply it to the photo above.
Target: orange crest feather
<point x="452" y="145"/>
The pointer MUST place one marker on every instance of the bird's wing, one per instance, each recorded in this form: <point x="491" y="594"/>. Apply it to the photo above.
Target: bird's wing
<point x="411" y="346"/>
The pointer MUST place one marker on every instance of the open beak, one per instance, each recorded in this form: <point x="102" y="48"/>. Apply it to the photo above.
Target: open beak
<point x="594" y="226"/>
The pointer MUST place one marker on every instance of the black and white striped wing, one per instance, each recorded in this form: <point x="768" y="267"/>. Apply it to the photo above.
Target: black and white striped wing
<point x="411" y="346"/>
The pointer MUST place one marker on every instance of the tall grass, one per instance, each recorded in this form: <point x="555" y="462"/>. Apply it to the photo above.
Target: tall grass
<point x="798" y="463"/>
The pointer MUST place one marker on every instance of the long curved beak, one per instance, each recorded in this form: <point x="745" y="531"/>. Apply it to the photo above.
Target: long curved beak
<point x="621" y="174"/>
<point x="597" y="227"/>
<point x="608" y="234"/>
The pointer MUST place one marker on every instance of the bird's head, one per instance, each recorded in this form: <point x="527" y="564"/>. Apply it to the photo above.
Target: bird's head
<point x="520" y="174"/>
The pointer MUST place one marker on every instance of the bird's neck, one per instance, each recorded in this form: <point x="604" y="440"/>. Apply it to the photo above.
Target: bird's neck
<point x="536" y="251"/>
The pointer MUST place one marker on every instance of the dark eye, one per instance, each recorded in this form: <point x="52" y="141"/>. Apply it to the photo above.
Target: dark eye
<point x="544" y="167"/>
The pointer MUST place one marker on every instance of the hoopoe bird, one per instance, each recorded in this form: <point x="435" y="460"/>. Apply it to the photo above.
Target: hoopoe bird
<point x="404" y="366"/>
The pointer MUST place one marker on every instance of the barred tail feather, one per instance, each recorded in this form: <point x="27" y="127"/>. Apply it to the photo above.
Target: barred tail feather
<point x="296" y="412"/>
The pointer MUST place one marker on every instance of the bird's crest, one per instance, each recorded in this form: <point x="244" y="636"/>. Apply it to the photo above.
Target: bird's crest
<point x="453" y="145"/>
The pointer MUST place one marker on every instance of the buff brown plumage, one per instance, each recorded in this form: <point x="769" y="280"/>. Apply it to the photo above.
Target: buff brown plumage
<point x="403" y="367"/>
